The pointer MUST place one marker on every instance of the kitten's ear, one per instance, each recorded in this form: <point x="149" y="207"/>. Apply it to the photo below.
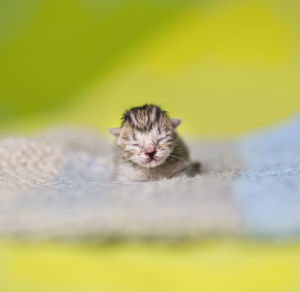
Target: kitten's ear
<point x="115" y="131"/>
<point x="175" y="122"/>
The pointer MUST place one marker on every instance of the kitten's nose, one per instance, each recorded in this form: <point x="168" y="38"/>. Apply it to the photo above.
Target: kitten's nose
<point x="150" y="150"/>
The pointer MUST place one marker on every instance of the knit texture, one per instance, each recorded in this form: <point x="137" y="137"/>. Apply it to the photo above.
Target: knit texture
<point x="56" y="186"/>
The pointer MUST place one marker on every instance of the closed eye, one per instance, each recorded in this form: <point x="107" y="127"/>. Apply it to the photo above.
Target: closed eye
<point x="135" y="145"/>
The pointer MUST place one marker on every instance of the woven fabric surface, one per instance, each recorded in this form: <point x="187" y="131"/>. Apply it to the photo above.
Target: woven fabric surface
<point x="56" y="185"/>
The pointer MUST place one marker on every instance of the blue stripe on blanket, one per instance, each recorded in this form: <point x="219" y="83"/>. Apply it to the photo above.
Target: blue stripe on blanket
<point x="268" y="191"/>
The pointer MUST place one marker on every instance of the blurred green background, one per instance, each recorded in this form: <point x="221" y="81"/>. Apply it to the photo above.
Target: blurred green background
<point x="224" y="67"/>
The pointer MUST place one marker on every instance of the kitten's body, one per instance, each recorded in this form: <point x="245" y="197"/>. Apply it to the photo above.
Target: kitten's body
<point x="144" y="127"/>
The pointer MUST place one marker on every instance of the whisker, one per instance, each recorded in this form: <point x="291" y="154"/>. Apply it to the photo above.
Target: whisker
<point x="180" y="158"/>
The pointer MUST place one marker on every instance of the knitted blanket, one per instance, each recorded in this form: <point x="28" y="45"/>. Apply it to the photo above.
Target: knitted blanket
<point x="55" y="186"/>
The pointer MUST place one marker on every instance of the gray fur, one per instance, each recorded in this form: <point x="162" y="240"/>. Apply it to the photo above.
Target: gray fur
<point x="142" y="120"/>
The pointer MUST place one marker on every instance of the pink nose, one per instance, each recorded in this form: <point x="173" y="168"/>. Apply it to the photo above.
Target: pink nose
<point x="150" y="150"/>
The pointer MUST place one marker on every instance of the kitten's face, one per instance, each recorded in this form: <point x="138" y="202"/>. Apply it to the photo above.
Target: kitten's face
<point x="147" y="135"/>
<point x="147" y="149"/>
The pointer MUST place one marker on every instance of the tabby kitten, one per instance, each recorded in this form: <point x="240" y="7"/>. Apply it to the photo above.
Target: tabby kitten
<point x="148" y="148"/>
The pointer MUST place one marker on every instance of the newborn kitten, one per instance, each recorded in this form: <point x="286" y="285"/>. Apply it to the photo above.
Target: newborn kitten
<point x="148" y="147"/>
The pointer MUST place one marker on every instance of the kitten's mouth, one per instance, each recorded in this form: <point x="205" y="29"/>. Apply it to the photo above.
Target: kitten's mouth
<point x="153" y="162"/>
<point x="151" y="159"/>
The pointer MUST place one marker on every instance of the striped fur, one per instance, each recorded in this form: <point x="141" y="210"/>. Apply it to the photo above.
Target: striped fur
<point x="149" y="127"/>
<point x="144" y="118"/>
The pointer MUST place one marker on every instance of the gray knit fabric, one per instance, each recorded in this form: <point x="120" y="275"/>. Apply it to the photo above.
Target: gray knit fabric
<point x="55" y="186"/>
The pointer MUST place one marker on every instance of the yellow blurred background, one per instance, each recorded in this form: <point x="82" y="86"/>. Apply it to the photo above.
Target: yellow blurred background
<point x="224" y="66"/>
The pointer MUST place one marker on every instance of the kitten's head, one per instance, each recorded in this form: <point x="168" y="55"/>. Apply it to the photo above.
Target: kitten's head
<point x="147" y="135"/>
